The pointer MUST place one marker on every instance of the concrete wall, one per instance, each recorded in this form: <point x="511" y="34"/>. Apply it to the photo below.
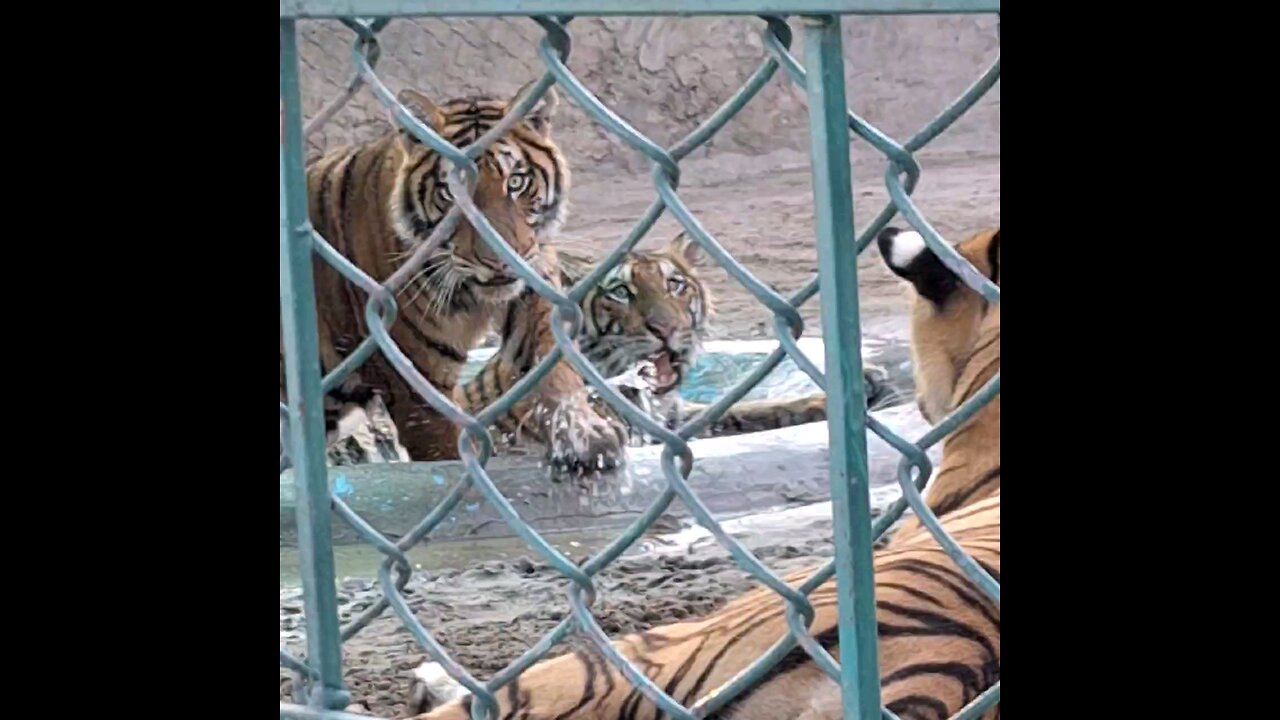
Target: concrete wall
<point x="666" y="74"/>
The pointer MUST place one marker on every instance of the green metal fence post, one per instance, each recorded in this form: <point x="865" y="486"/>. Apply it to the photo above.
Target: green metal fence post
<point x="306" y="409"/>
<point x="838" y="275"/>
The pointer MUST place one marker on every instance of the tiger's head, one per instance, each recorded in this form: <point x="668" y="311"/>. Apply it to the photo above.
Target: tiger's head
<point x="955" y="332"/>
<point x="522" y="189"/>
<point x="650" y="309"/>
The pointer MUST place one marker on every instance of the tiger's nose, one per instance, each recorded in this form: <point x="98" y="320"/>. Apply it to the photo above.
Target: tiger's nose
<point x="661" y="328"/>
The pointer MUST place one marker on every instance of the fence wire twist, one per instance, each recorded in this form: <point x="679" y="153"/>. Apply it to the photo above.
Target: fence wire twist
<point x="474" y="444"/>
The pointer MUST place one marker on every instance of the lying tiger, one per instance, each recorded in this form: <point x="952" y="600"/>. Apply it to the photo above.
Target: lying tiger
<point x="939" y="635"/>
<point x="643" y="327"/>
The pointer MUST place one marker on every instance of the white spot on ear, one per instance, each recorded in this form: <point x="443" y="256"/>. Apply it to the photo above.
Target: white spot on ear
<point x="906" y="247"/>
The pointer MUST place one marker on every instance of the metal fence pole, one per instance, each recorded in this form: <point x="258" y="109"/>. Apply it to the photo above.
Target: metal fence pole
<point x="306" y="410"/>
<point x="838" y="275"/>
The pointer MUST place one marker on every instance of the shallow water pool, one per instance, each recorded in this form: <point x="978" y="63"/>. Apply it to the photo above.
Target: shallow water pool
<point x="721" y="365"/>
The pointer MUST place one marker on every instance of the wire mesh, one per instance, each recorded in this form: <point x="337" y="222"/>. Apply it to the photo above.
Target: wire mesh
<point x="300" y="417"/>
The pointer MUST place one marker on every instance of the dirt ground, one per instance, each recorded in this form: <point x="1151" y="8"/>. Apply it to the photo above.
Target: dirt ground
<point x="751" y="189"/>
<point x="490" y="613"/>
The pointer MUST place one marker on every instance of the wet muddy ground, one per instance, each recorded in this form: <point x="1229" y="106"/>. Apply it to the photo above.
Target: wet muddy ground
<point x="490" y="613"/>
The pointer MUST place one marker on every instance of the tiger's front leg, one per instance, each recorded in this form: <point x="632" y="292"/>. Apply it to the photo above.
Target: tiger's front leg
<point x="558" y="412"/>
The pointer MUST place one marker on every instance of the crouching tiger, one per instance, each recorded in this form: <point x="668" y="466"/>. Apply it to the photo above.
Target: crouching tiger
<point x="644" y="325"/>
<point x="376" y="202"/>
<point x="939" y="635"/>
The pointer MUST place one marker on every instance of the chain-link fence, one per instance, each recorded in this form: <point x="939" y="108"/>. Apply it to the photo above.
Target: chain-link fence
<point x="318" y="683"/>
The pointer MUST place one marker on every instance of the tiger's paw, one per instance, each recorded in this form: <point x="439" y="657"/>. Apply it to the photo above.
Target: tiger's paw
<point x="875" y="385"/>
<point x="432" y="687"/>
<point x="584" y="442"/>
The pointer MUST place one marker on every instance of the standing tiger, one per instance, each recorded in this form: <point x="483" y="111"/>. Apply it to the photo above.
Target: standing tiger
<point x="939" y="635"/>
<point x="375" y="202"/>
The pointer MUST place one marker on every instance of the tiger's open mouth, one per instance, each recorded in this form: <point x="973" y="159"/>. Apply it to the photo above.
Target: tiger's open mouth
<point x="497" y="281"/>
<point x="663" y="371"/>
<point x="498" y="289"/>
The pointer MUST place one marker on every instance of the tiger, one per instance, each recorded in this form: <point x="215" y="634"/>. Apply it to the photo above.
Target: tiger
<point x="955" y="351"/>
<point x="938" y="633"/>
<point x="648" y="316"/>
<point x="377" y="201"/>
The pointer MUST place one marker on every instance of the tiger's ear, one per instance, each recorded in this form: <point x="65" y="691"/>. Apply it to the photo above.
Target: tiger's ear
<point x="540" y="115"/>
<point x="907" y="255"/>
<point x="683" y="246"/>
<point x="421" y="108"/>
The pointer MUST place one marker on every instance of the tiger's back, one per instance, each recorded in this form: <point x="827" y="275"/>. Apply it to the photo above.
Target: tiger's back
<point x="955" y="351"/>
<point x="939" y="646"/>
<point x="938" y="635"/>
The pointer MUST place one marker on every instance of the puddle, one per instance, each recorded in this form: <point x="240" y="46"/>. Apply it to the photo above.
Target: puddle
<point x="362" y="560"/>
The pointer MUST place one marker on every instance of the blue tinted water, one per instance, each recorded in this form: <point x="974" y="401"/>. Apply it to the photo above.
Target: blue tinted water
<point x="716" y="370"/>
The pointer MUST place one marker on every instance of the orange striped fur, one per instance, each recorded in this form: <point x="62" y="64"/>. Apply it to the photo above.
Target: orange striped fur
<point x="377" y="201"/>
